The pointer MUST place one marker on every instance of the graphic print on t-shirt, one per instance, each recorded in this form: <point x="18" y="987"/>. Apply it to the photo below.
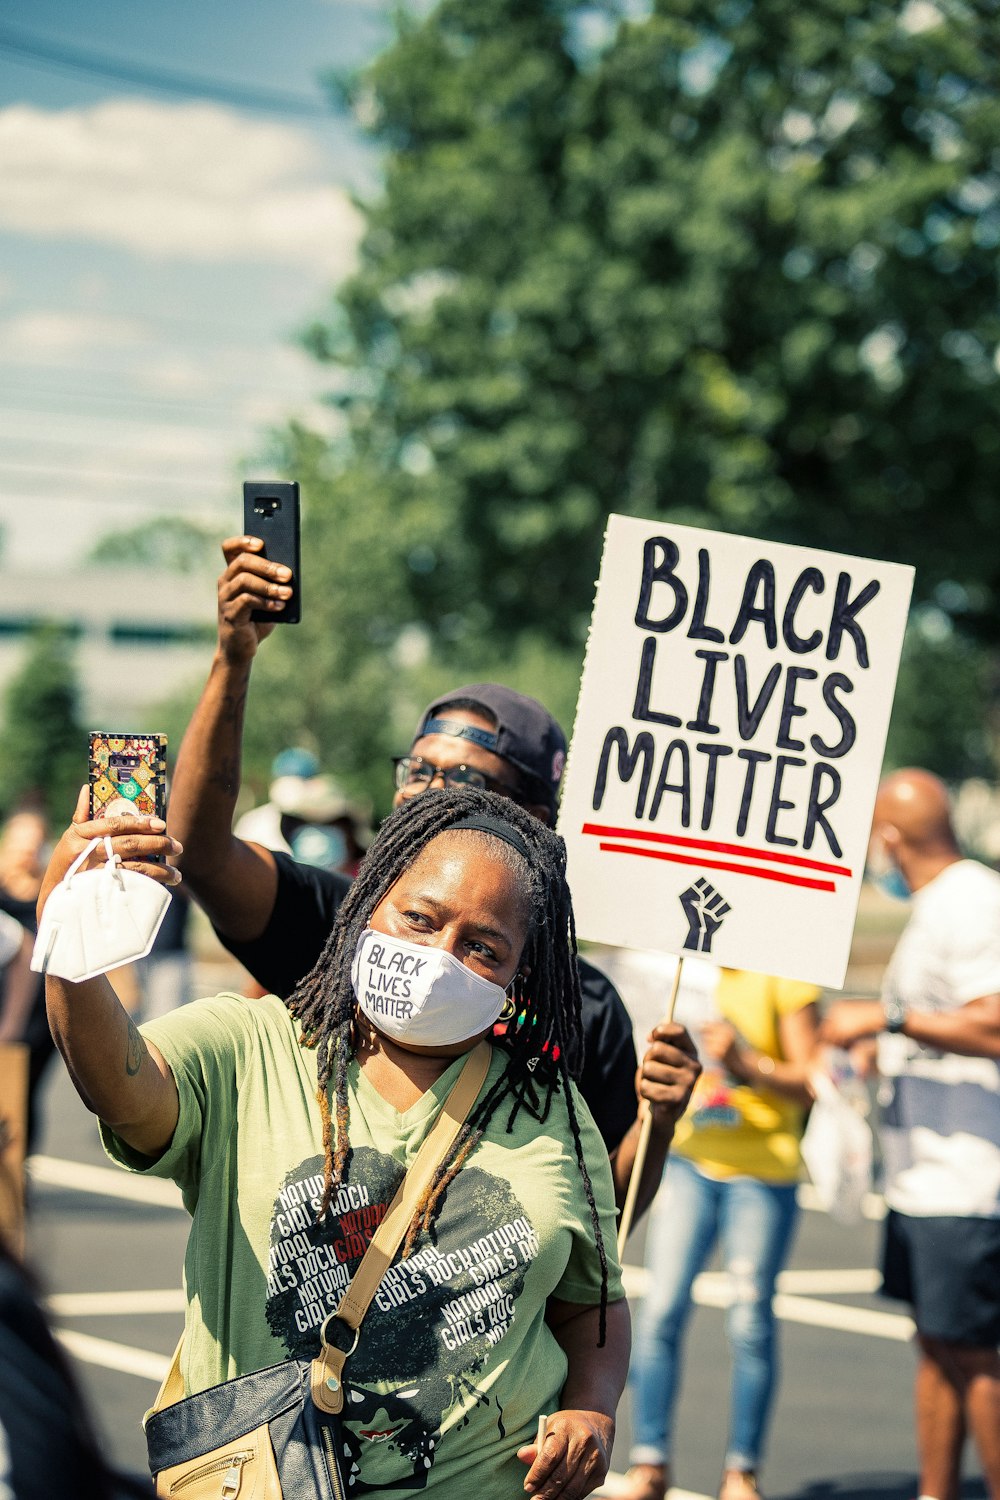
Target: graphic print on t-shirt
<point x="432" y="1323"/>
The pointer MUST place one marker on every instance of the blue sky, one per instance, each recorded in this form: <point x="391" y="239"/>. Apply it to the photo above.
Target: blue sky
<point x="158" y="251"/>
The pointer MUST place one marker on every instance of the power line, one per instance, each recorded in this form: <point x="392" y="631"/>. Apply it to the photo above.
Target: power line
<point x="197" y="490"/>
<point x="40" y="52"/>
<point x="222" y="400"/>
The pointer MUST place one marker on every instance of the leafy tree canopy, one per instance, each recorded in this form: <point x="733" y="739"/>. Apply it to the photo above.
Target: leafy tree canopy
<point x="733" y="263"/>
<point x="43" y="745"/>
<point x="171" y="543"/>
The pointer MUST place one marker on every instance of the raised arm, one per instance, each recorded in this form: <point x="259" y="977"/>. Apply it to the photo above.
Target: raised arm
<point x="234" y="881"/>
<point x="119" y="1076"/>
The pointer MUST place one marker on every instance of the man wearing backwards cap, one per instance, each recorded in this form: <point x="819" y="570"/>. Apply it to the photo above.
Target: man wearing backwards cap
<point x="275" y="915"/>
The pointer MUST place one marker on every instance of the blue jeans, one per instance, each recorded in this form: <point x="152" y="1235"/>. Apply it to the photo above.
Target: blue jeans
<point x="754" y="1221"/>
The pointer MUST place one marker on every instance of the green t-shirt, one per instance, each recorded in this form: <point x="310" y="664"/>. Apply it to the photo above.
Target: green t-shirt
<point x="455" y="1360"/>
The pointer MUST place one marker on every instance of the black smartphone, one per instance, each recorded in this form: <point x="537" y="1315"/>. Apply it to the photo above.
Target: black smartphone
<point x="271" y="511"/>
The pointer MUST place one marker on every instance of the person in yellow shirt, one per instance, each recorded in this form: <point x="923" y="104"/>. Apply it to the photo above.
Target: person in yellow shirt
<point x="731" y="1177"/>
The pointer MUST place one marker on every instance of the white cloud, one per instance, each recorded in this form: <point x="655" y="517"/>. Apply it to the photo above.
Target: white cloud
<point x="190" y="182"/>
<point x="51" y="338"/>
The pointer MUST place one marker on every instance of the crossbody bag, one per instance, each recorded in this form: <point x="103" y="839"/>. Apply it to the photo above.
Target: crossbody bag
<point x="277" y="1432"/>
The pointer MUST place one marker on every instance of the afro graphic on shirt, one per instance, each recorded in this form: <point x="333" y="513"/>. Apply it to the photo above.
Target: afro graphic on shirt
<point x="434" y="1319"/>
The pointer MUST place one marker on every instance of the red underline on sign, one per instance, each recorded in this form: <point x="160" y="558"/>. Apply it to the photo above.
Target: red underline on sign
<point x="719" y="864"/>
<point x="602" y="831"/>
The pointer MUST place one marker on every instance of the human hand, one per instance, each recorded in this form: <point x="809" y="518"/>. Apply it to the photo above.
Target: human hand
<point x="667" y="1073"/>
<point x="721" y="1043"/>
<point x="846" y="1022"/>
<point x="864" y="1058"/>
<point x="249" y="582"/>
<point x="138" y="842"/>
<point x="574" y="1458"/>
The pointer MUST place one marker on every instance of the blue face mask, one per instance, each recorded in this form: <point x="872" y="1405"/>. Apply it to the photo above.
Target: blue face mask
<point x="890" y="882"/>
<point x="320" y="845"/>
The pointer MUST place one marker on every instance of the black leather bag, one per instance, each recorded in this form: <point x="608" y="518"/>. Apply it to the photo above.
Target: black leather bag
<point x="269" y="1440"/>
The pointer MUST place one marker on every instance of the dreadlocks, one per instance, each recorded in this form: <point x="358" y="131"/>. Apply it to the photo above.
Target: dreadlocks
<point x="544" y="1040"/>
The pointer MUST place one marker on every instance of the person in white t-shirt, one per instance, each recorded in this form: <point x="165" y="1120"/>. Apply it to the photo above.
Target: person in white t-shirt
<point x="938" y="1028"/>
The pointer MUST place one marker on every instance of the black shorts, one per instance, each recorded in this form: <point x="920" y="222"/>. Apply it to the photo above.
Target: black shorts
<point x="949" y="1272"/>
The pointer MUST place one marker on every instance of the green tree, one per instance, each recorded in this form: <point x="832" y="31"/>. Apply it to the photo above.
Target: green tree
<point x="938" y="720"/>
<point x="43" y="745"/>
<point x="731" y="263"/>
<point x="172" y="544"/>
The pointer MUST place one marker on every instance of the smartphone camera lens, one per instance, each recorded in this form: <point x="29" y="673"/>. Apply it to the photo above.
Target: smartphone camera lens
<point x="266" y="506"/>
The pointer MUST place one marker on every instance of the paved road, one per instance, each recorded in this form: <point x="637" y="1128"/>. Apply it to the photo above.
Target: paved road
<point x="109" y="1251"/>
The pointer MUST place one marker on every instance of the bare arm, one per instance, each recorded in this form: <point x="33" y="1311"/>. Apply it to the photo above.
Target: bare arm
<point x="972" y="1031"/>
<point x="798" y="1033"/>
<point x="118" y="1075"/>
<point x="236" y="882"/>
<point x="576" y="1453"/>
<point x="666" y="1076"/>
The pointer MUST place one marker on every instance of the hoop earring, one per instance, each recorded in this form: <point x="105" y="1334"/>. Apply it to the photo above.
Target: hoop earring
<point x="509" y="1009"/>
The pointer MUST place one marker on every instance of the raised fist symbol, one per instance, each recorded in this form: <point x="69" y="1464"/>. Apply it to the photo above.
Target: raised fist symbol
<point x="705" y="910"/>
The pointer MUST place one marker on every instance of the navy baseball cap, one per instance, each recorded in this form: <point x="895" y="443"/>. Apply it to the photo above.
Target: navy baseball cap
<point x="526" y="734"/>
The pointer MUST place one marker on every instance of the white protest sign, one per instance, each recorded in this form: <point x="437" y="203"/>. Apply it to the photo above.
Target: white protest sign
<point x="727" y="747"/>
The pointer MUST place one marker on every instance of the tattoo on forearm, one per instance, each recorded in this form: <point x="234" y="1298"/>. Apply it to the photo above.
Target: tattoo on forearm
<point x="133" y="1049"/>
<point x="227" y="776"/>
<point x="234" y="705"/>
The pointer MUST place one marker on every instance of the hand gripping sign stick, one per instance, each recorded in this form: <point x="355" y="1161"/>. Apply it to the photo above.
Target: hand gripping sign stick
<point x="645" y="1130"/>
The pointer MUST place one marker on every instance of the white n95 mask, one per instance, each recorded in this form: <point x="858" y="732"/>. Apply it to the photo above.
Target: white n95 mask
<point x="421" y="994"/>
<point x="96" y="920"/>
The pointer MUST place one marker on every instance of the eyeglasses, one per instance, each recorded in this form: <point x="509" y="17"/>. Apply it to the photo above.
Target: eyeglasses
<point x="414" y="774"/>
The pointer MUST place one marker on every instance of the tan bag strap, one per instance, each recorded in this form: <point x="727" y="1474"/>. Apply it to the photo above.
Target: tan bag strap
<point x="381" y="1247"/>
<point x="327" y="1369"/>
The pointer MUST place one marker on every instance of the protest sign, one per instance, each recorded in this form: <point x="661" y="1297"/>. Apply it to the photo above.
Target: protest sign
<point x="727" y="746"/>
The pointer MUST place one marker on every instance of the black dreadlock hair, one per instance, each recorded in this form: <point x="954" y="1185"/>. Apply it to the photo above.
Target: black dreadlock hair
<point x="544" y="1041"/>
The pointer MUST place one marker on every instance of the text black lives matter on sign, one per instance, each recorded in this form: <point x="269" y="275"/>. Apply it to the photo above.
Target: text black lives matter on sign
<point x="730" y="729"/>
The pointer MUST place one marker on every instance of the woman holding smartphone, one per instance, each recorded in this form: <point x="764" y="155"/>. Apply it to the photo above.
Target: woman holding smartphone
<point x="290" y="1125"/>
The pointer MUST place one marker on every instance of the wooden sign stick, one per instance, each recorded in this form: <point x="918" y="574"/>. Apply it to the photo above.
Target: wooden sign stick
<point x="645" y="1131"/>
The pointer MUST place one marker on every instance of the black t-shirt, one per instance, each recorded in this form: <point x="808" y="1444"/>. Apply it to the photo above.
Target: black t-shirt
<point x="304" y="911"/>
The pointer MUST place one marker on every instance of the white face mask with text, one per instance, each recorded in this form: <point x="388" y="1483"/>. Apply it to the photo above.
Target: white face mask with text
<point x="420" y="994"/>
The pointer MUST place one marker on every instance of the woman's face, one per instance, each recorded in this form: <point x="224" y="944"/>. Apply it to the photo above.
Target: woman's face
<point x="457" y="898"/>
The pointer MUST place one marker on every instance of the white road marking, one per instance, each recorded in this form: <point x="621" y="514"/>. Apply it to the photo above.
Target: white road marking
<point x="615" y="1485"/>
<point x="712" y="1289"/>
<point x="837" y="1283"/>
<point x="120" y="1304"/>
<point x="110" y="1356"/>
<point x="844" y="1319"/>
<point x="872" y="1207"/>
<point x="710" y="1285"/>
<point x="112" y="1182"/>
<point x="109" y="1182"/>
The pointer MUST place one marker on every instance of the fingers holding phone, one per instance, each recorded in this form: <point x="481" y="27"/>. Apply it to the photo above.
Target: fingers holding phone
<point x="127" y="779"/>
<point x="141" y="842"/>
<point x="250" y="585"/>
